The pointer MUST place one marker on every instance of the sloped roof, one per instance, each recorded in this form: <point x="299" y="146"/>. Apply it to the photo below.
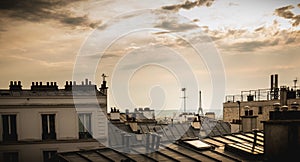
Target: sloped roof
<point x="222" y="147"/>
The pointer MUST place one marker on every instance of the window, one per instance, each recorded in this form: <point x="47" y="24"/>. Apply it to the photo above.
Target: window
<point x="47" y="155"/>
<point x="11" y="156"/>
<point x="9" y="128"/>
<point x="260" y="110"/>
<point x="48" y="126"/>
<point x="85" y="128"/>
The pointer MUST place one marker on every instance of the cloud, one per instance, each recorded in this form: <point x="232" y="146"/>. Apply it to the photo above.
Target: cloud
<point x="262" y="38"/>
<point x="40" y="10"/>
<point x="188" y="5"/>
<point x="232" y="4"/>
<point x="287" y="14"/>
<point x="175" y="26"/>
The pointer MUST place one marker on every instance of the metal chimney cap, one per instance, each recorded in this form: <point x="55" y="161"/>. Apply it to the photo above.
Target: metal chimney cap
<point x="295" y="104"/>
<point x="276" y="106"/>
<point x="284" y="108"/>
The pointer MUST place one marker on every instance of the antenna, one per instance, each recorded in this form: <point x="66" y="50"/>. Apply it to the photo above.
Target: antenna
<point x="200" y="105"/>
<point x="184" y="98"/>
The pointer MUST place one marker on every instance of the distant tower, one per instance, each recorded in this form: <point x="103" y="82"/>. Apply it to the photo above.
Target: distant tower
<point x="200" y="110"/>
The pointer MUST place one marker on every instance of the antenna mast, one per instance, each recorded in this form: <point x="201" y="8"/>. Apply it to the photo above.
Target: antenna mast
<point x="184" y="98"/>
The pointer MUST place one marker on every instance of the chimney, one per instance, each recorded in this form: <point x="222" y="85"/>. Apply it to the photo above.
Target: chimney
<point x="15" y="86"/>
<point x="276" y="80"/>
<point x="283" y="95"/>
<point x="86" y="82"/>
<point x="272" y="83"/>
<point x="114" y="114"/>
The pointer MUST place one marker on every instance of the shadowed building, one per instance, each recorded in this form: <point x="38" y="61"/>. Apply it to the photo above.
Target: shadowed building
<point x="256" y="104"/>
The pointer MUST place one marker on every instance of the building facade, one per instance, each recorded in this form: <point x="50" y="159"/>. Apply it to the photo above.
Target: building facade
<point x="258" y="103"/>
<point x="40" y="121"/>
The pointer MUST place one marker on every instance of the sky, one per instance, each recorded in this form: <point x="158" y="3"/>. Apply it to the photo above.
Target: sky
<point x="150" y="50"/>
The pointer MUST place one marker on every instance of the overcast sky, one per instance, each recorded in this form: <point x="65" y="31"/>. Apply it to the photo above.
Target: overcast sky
<point x="41" y="39"/>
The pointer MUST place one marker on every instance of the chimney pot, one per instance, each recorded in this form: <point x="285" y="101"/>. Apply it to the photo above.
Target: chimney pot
<point x="41" y="83"/>
<point x="51" y="83"/>
<point x="54" y="83"/>
<point x="70" y="82"/>
<point x="15" y="82"/>
<point x="90" y="82"/>
<point x="48" y="84"/>
<point x="284" y="108"/>
<point x="276" y="106"/>
<point x="19" y="83"/>
<point x="11" y="83"/>
<point x="294" y="105"/>
<point x="67" y="83"/>
<point x="86" y="81"/>
<point x="32" y="83"/>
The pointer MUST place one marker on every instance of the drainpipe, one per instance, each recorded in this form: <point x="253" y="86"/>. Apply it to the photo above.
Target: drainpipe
<point x="127" y="143"/>
<point x="158" y="137"/>
<point x="153" y="141"/>
<point x="147" y="142"/>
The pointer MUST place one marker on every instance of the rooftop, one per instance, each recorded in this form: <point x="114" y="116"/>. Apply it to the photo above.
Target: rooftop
<point x="231" y="147"/>
<point x="51" y="89"/>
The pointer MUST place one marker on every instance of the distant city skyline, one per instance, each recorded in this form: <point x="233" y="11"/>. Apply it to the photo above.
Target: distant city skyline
<point x="40" y="41"/>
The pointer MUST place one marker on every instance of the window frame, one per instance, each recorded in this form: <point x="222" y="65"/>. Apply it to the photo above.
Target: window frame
<point x="48" y="121"/>
<point x="260" y="110"/>
<point x="84" y="120"/>
<point x="12" y="134"/>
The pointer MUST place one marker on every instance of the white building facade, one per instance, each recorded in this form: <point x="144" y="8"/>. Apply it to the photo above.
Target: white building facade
<point x="38" y="122"/>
